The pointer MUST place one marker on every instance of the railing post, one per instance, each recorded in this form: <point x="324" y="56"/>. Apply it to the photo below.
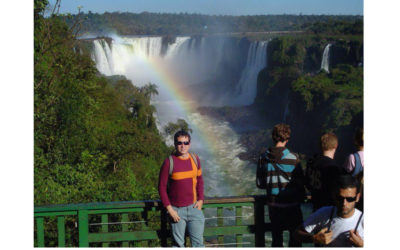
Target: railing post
<point x="220" y="223"/>
<point x="239" y="237"/>
<point x="83" y="227"/>
<point x="104" y="228"/>
<point x="144" y="227"/>
<point x="40" y="231"/>
<point x="259" y="222"/>
<point x="61" y="231"/>
<point x="125" y="218"/>
<point x="163" y="227"/>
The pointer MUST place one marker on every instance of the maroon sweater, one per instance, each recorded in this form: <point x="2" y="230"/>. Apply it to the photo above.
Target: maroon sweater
<point x="186" y="184"/>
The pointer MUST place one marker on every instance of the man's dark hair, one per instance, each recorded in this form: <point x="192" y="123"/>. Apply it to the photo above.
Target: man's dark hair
<point x="347" y="181"/>
<point x="181" y="133"/>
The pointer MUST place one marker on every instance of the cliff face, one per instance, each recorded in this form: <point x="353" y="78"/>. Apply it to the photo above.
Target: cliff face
<point x="293" y="90"/>
<point x="346" y="52"/>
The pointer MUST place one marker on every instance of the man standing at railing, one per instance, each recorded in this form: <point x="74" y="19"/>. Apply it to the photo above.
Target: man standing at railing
<point x="279" y="171"/>
<point x="181" y="190"/>
<point x="322" y="172"/>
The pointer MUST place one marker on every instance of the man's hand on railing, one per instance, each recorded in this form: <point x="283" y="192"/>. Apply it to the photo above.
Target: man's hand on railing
<point x="198" y="205"/>
<point x="174" y="215"/>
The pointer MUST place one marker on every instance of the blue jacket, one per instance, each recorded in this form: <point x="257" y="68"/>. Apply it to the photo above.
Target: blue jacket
<point x="283" y="175"/>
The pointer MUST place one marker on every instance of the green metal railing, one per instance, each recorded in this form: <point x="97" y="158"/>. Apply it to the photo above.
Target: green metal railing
<point x="140" y="223"/>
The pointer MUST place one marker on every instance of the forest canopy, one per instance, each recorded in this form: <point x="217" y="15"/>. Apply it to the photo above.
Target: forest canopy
<point x="145" y="23"/>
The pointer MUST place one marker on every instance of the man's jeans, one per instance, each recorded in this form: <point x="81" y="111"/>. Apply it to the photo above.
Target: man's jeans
<point x="192" y="219"/>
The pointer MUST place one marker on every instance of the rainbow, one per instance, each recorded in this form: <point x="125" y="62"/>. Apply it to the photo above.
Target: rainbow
<point x="183" y="103"/>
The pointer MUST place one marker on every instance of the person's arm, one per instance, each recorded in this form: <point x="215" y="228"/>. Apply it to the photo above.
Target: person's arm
<point x="349" y="164"/>
<point x="322" y="237"/>
<point x="356" y="239"/>
<point x="199" y="187"/>
<point x="163" y="182"/>
<point x="162" y="190"/>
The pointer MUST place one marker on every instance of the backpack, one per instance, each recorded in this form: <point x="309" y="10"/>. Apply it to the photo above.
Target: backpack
<point x="359" y="175"/>
<point x="171" y="163"/>
<point x="358" y="167"/>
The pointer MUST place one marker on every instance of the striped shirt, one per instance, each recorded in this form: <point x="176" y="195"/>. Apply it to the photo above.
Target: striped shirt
<point x="282" y="191"/>
<point x="185" y="185"/>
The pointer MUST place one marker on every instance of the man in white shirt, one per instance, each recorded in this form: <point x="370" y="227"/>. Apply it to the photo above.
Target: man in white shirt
<point x="339" y="226"/>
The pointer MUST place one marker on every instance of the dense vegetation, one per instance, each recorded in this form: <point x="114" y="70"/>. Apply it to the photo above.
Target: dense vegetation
<point x="95" y="139"/>
<point x="145" y="23"/>
<point x="319" y="101"/>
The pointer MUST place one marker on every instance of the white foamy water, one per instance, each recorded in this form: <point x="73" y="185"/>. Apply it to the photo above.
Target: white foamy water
<point x="325" y="58"/>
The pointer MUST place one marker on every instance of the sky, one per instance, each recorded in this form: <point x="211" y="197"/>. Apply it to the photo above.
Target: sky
<point x="218" y="7"/>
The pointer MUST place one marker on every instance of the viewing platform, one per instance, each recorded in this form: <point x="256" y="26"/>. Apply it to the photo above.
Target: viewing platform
<point x="234" y="221"/>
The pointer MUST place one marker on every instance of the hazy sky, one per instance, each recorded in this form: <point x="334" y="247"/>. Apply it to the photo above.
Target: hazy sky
<point x="218" y="7"/>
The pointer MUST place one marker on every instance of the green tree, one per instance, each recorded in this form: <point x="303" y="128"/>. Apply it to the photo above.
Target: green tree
<point x="149" y="90"/>
<point x="171" y="128"/>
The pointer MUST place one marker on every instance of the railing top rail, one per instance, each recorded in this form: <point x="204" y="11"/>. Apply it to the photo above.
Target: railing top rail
<point x="140" y="204"/>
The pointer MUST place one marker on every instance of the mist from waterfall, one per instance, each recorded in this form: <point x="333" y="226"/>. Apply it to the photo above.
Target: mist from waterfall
<point x="325" y="58"/>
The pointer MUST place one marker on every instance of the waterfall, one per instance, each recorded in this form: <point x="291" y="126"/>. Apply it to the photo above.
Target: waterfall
<point x="117" y="59"/>
<point x="100" y="56"/>
<point x="325" y="59"/>
<point x="246" y="89"/>
<point x="173" y="49"/>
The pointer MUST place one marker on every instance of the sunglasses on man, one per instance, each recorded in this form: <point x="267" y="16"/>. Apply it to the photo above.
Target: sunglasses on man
<point x="184" y="142"/>
<point x="348" y="199"/>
